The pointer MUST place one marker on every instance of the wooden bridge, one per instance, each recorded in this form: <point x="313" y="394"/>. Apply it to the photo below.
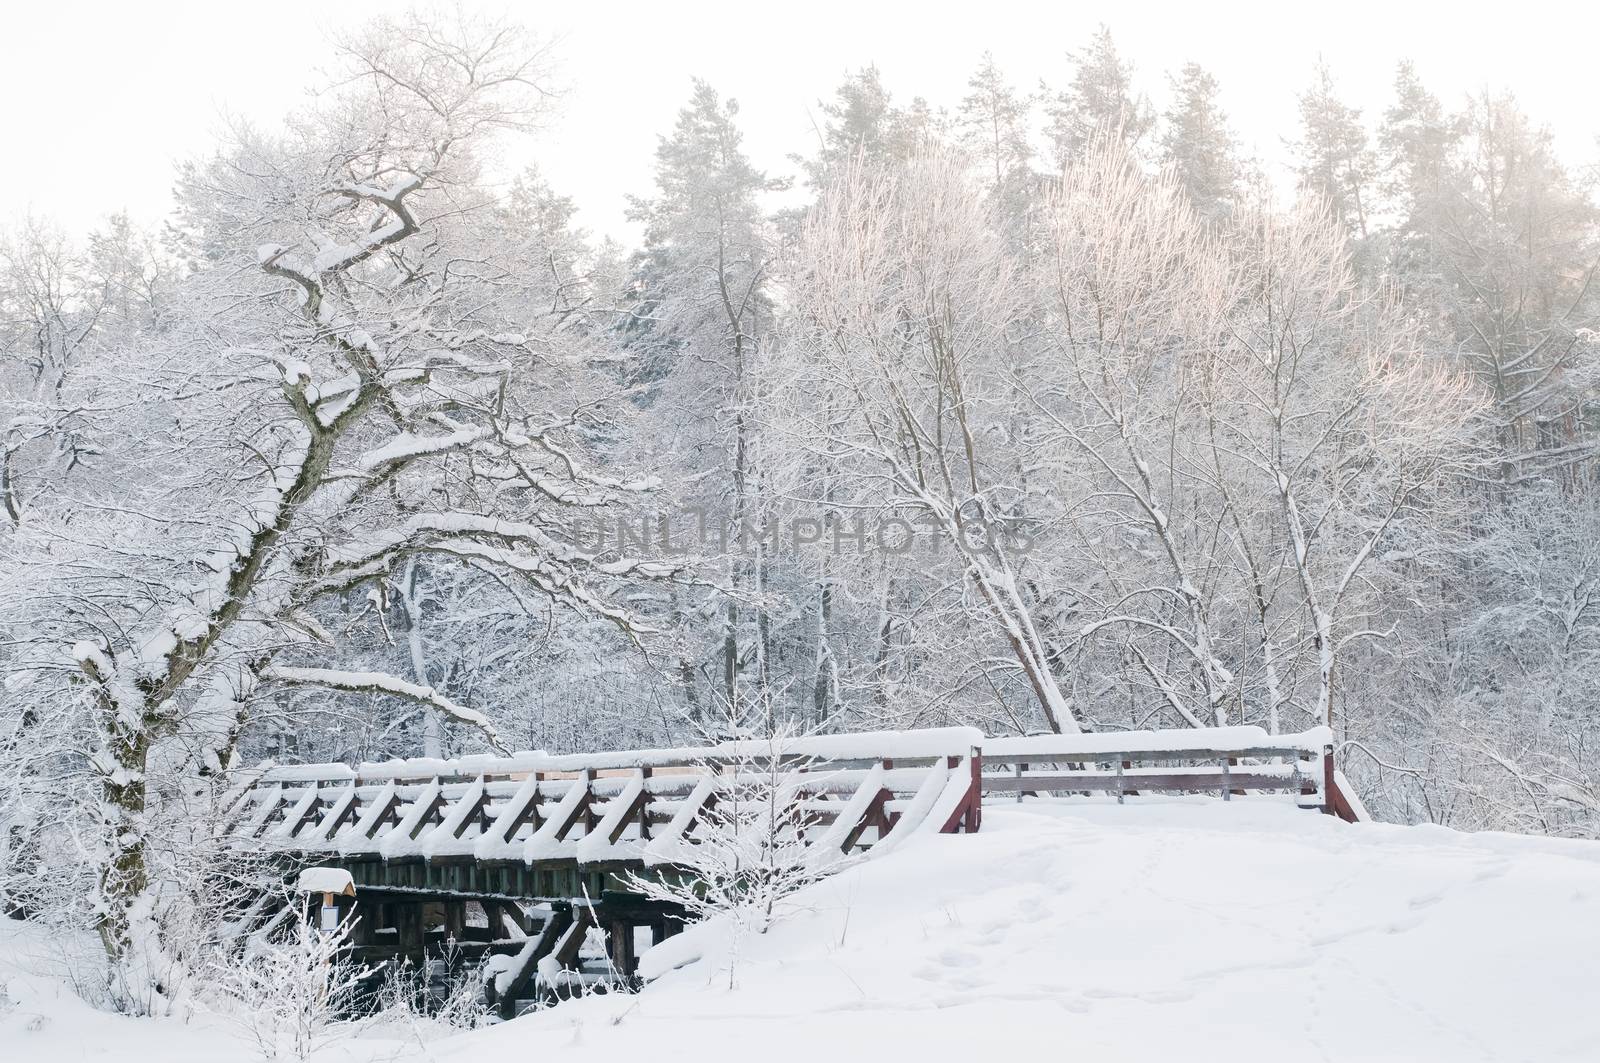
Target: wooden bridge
<point x="519" y="857"/>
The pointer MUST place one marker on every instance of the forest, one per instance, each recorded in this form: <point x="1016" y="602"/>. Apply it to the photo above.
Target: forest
<point x="1040" y="410"/>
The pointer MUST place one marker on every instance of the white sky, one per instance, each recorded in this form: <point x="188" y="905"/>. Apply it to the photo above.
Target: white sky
<point x="99" y="100"/>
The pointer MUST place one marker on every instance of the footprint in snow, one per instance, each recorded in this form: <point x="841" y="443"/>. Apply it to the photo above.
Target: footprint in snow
<point x="1030" y="907"/>
<point x="990" y="936"/>
<point x="1493" y="871"/>
<point x="959" y="958"/>
<point x="1400" y="926"/>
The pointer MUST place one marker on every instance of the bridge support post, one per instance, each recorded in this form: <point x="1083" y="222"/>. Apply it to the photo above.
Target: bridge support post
<point x="622" y="950"/>
<point x="527" y="960"/>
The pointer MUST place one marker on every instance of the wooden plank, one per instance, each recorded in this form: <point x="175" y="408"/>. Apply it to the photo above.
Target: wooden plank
<point x="523" y="808"/>
<point x="307" y="815"/>
<point x="1065" y="755"/>
<point x="389" y="813"/>
<point x="967" y="817"/>
<point x="430" y="818"/>
<point x="344" y="814"/>
<point x="566" y="950"/>
<point x="622" y="951"/>
<point x="261" y="816"/>
<point x="636" y="811"/>
<point x="526" y="963"/>
<point x="1336" y="801"/>
<point x="480" y="807"/>
<point x="583" y="809"/>
<point x="1095" y="782"/>
<point x="874" y="815"/>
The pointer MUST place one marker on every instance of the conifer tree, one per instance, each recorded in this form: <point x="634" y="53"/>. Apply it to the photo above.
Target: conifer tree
<point x="1197" y="143"/>
<point x="702" y="284"/>
<point x="993" y="125"/>
<point x="1415" y="145"/>
<point x="1101" y="96"/>
<point x="862" y="120"/>
<point x="1333" y="156"/>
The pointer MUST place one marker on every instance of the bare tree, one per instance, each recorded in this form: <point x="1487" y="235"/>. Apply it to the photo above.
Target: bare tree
<point x="909" y="306"/>
<point x="1246" y="413"/>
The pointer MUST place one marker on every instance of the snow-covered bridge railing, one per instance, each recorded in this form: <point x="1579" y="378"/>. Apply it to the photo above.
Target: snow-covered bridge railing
<point x="516" y="858"/>
<point x="1225" y="761"/>
<point x="603" y="809"/>
<point x="641" y="807"/>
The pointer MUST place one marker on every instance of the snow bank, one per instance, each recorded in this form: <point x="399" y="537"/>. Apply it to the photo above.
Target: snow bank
<point x="1185" y="929"/>
<point x="43" y="1021"/>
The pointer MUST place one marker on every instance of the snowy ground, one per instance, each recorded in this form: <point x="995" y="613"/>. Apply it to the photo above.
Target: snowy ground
<point x="1197" y="931"/>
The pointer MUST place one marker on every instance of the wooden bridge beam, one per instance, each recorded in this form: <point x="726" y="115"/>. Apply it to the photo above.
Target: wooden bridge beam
<point x="527" y="961"/>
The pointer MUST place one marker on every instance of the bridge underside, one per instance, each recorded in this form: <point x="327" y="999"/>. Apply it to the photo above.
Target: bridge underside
<point x="448" y="921"/>
<point x="493" y="881"/>
<point x="451" y="919"/>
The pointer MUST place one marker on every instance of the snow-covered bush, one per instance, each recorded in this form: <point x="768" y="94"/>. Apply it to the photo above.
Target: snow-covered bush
<point x="286" y="997"/>
<point x="443" y="997"/>
<point x="746" y="856"/>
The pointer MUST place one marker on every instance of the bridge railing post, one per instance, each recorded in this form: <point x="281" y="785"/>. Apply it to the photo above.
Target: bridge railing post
<point x="1329" y="787"/>
<point x="975" y="796"/>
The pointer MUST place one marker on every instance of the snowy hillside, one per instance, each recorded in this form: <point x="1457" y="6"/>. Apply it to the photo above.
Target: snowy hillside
<point x="1137" y="933"/>
<point x="1193" y="931"/>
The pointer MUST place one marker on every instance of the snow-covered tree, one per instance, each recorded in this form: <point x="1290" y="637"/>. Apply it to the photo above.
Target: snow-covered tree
<point x="1332" y="155"/>
<point x="347" y="383"/>
<point x="862" y="123"/>
<point x="1100" y="98"/>
<point x="704" y="310"/>
<point x="1251" y="429"/>
<point x="908" y="302"/>
<point x="1518" y="245"/>
<point x="993" y="125"/>
<point x="286" y="996"/>
<point x="1197" y="142"/>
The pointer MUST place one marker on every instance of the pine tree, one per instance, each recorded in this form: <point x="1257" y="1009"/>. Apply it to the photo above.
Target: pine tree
<point x="1334" y="159"/>
<point x="544" y="221"/>
<point x="1100" y="97"/>
<point x="993" y="124"/>
<point x="862" y="121"/>
<point x="1197" y="143"/>
<point x="702" y="283"/>
<point x="1414" y="143"/>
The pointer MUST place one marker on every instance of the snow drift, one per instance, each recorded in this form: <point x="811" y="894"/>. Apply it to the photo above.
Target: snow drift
<point x="1174" y="929"/>
<point x="1190" y="930"/>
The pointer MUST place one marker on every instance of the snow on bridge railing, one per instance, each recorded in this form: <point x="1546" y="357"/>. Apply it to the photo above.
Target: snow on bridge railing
<point x="1223" y="760"/>
<point x="859" y="791"/>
